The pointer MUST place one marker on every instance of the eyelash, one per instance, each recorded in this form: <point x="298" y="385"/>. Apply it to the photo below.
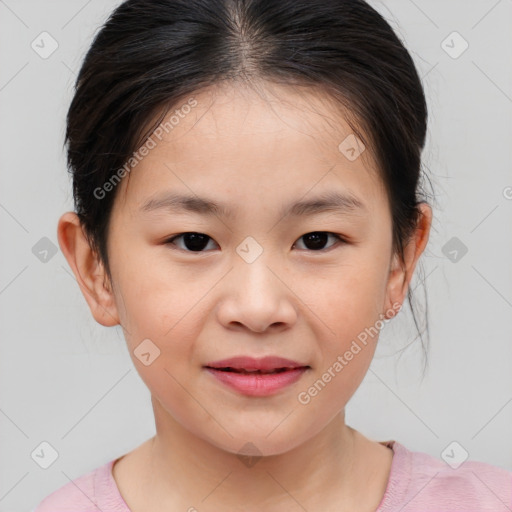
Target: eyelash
<point x="340" y="239"/>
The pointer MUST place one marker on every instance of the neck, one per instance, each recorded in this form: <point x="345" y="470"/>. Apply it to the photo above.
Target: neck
<point x="195" y="473"/>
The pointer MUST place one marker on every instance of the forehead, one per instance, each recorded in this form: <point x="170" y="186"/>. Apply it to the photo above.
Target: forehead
<point x="235" y="141"/>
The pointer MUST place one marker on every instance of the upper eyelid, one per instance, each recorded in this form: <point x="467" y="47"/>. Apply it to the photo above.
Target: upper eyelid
<point x="340" y="239"/>
<point x="211" y="238"/>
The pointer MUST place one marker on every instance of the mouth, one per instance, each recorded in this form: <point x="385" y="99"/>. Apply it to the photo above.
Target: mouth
<point x="257" y="377"/>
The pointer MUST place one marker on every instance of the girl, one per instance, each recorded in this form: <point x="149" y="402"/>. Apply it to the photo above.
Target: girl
<point x="246" y="182"/>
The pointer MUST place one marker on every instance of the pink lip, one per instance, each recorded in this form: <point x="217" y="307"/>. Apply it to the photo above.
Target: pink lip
<point x="257" y="384"/>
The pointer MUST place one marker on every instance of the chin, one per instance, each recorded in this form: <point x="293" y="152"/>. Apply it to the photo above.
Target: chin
<point x="253" y="443"/>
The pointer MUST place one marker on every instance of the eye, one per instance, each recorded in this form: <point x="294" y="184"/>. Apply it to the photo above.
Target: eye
<point x="194" y="242"/>
<point x="317" y="239"/>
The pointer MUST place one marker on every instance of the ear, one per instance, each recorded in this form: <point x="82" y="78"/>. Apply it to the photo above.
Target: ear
<point x="400" y="273"/>
<point x="89" y="271"/>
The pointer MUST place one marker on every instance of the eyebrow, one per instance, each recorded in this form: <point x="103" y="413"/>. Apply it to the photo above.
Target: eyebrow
<point x="344" y="203"/>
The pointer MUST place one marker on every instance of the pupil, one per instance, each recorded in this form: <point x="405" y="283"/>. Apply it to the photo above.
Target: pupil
<point x="195" y="241"/>
<point x="318" y="239"/>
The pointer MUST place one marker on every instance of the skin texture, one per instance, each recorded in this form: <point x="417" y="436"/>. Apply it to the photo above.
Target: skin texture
<point x="254" y="150"/>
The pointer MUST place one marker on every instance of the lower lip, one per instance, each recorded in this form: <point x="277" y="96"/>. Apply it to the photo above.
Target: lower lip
<point x="258" y="384"/>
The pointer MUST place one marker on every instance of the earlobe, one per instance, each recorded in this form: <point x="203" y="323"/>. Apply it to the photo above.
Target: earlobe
<point x="88" y="270"/>
<point x="401" y="272"/>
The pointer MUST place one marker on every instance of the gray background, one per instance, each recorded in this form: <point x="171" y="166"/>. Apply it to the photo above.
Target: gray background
<point x="70" y="382"/>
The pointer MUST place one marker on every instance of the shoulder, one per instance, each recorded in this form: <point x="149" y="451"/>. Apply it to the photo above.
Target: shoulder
<point x="454" y="484"/>
<point x="89" y="492"/>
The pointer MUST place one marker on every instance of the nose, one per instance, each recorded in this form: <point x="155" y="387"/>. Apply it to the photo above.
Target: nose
<point x="257" y="297"/>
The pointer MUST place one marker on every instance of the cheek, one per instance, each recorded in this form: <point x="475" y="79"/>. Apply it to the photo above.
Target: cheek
<point x="349" y="310"/>
<point x="161" y="332"/>
<point x="156" y="296"/>
<point x="348" y="297"/>
<point x="349" y="305"/>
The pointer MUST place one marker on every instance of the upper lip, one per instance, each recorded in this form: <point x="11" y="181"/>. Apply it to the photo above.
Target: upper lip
<point x="252" y="363"/>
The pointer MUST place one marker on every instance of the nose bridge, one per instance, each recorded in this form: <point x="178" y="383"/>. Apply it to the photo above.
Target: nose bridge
<point x="252" y="266"/>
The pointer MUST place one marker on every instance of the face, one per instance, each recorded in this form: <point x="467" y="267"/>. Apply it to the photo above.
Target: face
<point x="259" y="277"/>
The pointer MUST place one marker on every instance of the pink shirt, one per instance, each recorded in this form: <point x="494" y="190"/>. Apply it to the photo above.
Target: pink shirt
<point x="418" y="482"/>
